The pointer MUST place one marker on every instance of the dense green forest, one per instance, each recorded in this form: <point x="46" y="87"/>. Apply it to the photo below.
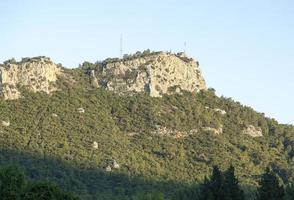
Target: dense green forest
<point x="15" y="186"/>
<point x="100" y="145"/>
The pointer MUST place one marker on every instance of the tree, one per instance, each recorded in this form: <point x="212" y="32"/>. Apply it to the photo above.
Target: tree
<point x="221" y="186"/>
<point x="213" y="188"/>
<point x="45" y="191"/>
<point x="152" y="196"/>
<point x="187" y="194"/>
<point x="217" y="183"/>
<point x="269" y="187"/>
<point x="13" y="186"/>
<point x="289" y="191"/>
<point x="232" y="189"/>
<point x="12" y="182"/>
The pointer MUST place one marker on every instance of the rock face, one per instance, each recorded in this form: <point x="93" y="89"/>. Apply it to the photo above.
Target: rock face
<point x="81" y="110"/>
<point x="220" y="111"/>
<point x="115" y="165"/>
<point x="157" y="73"/>
<point x="95" y="145"/>
<point x="108" y="169"/>
<point x="252" y="131"/>
<point x="215" y="131"/>
<point x="5" y="123"/>
<point x="93" y="78"/>
<point x="163" y="131"/>
<point x="35" y="74"/>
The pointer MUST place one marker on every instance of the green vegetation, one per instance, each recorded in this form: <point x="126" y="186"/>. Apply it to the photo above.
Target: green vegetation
<point x="100" y="64"/>
<point x="51" y="140"/>
<point x="221" y="185"/>
<point x="14" y="186"/>
<point x="270" y="188"/>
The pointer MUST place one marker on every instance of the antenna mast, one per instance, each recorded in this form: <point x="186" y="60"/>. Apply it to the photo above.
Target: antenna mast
<point x="121" y="45"/>
<point x="185" y="46"/>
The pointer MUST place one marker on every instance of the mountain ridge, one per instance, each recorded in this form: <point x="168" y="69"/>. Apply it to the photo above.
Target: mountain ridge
<point x="156" y="73"/>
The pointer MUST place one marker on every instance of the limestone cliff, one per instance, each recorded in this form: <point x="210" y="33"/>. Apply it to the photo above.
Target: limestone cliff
<point x="156" y="73"/>
<point x="35" y="74"/>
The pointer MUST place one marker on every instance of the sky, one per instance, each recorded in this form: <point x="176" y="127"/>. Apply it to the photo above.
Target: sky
<point x="245" y="48"/>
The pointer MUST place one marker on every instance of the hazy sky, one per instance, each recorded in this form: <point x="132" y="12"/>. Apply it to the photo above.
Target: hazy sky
<point x="245" y="48"/>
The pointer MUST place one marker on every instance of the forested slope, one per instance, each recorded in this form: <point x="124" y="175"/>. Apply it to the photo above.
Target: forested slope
<point x="102" y="145"/>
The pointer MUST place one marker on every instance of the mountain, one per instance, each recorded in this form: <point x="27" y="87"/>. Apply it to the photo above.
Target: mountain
<point x="144" y="123"/>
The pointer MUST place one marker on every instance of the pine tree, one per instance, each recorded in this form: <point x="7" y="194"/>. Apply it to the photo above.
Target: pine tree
<point x="289" y="191"/>
<point x="45" y="191"/>
<point x="213" y="188"/>
<point x="232" y="189"/>
<point x="269" y="188"/>
<point x="217" y="184"/>
<point x="221" y="186"/>
<point x="12" y="181"/>
<point x="205" y="192"/>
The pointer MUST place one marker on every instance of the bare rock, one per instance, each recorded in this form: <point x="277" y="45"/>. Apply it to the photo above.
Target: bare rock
<point x="216" y="131"/>
<point x="132" y="134"/>
<point x="5" y="123"/>
<point x="93" y="78"/>
<point x="95" y="145"/>
<point x="36" y="74"/>
<point x="81" y="110"/>
<point x="252" y="131"/>
<point x="163" y="131"/>
<point x="157" y="74"/>
<point x="108" y="169"/>
<point x="115" y="165"/>
<point x="220" y="111"/>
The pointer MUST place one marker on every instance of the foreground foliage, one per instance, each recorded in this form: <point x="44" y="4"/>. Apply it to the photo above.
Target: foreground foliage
<point x="14" y="186"/>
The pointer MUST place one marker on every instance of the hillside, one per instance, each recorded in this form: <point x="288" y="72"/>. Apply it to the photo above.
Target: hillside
<point x="112" y="129"/>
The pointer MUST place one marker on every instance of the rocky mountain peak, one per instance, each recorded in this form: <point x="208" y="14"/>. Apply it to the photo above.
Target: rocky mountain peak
<point x="156" y="73"/>
<point x="35" y="74"/>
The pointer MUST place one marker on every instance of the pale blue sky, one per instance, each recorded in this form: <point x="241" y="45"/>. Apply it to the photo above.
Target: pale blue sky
<point x="245" y="48"/>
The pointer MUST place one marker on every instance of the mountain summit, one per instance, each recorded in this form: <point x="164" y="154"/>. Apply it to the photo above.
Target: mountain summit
<point x="157" y="73"/>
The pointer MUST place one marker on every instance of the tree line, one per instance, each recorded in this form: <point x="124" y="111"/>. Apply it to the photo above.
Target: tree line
<point x="225" y="186"/>
<point x="221" y="185"/>
<point x="15" y="186"/>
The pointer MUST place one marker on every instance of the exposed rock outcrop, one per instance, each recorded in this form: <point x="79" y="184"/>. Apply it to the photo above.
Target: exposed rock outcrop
<point x="35" y="74"/>
<point x="115" y="165"/>
<point x="216" y="131"/>
<point x="163" y="131"/>
<point x="108" y="169"/>
<point x="220" y="111"/>
<point x="253" y="131"/>
<point x="216" y="110"/>
<point x="95" y="145"/>
<point x="112" y="166"/>
<point x="157" y="73"/>
<point x="5" y="123"/>
<point x="93" y="78"/>
<point x="81" y="110"/>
